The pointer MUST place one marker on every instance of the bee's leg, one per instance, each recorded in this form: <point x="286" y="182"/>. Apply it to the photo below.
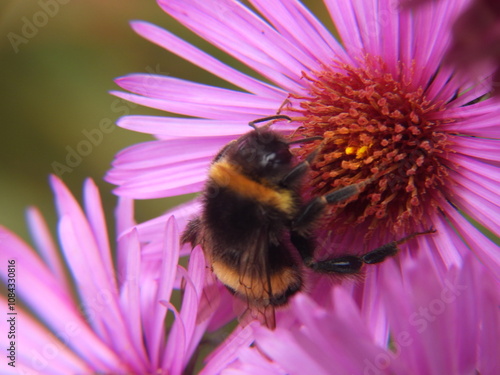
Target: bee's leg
<point x="297" y="172"/>
<point x="381" y="253"/>
<point x="312" y="210"/>
<point x="348" y="264"/>
<point x="305" y="245"/>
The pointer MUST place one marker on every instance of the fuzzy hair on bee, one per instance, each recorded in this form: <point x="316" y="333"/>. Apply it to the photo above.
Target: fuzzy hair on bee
<point x="253" y="216"/>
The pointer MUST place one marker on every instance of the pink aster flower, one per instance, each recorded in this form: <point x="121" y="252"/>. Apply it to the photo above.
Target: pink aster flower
<point x="449" y="325"/>
<point x="380" y="97"/>
<point x="116" y="323"/>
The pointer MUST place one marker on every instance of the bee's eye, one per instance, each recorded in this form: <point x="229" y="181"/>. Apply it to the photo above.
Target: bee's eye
<point x="267" y="159"/>
<point x="279" y="156"/>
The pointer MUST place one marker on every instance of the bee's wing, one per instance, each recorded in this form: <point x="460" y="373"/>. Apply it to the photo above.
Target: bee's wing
<point x="255" y="278"/>
<point x="263" y="314"/>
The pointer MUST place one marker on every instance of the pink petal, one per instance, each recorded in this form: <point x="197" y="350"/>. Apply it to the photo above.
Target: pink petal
<point x="190" y="303"/>
<point x="223" y="24"/>
<point x="344" y="18"/>
<point x="96" y="285"/>
<point x="221" y="112"/>
<point x="373" y="310"/>
<point x="480" y="148"/>
<point x="484" y="249"/>
<point x="38" y="350"/>
<point x="478" y="185"/>
<point x="177" y="357"/>
<point x="97" y="222"/>
<point x="290" y="350"/>
<point x="159" y="185"/>
<point x="432" y="35"/>
<point x="130" y="291"/>
<point x="182" y="127"/>
<point x="45" y="244"/>
<point x="446" y="243"/>
<point x="473" y="167"/>
<point x="174" y="354"/>
<point x="154" y="330"/>
<point x="182" y="91"/>
<point x="54" y="305"/>
<point x="154" y="153"/>
<point x="301" y="27"/>
<point x="227" y="352"/>
<point x="479" y="208"/>
<point x="401" y="302"/>
<point x="178" y="46"/>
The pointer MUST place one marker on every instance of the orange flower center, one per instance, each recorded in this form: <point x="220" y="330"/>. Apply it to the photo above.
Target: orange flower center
<point x="373" y="125"/>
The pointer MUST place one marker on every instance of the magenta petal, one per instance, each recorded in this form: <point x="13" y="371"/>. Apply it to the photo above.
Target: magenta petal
<point x="182" y="127"/>
<point x="283" y="347"/>
<point x="483" y="187"/>
<point x="480" y="148"/>
<point x="130" y="291"/>
<point x="96" y="283"/>
<point x="194" y="289"/>
<point x="37" y="349"/>
<point x="472" y="122"/>
<point x="45" y="245"/>
<point x="158" y="185"/>
<point x="178" y="46"/>
<point x="97" y="222"/>
<point x="228" y="350"/>
<point x="344" y="18"/>
<point x="177" y="355"/>
<point x="182" y="91"/>
<point x="478" y="207"/>
<point x="151" y="154"/>
<point x="223" y="23"/>
<point x="174" y="355"/>
<point x="168" y="272"/>
<point x="486" y="174"/>
<point x="221" y="112"/>
<point x="50" y="297"/>
<point x="301" y="27"/>
<point x="485" y="250"/>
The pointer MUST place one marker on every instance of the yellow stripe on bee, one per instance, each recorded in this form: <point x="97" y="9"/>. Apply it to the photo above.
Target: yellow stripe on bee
<point x="254" y="287"/>
<point x="227" y="175"/>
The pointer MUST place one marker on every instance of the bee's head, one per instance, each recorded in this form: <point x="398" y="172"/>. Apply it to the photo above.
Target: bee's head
<point x="263" y="153"/>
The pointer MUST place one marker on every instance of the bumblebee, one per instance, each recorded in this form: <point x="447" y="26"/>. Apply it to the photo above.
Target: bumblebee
<point x="253" y="215"/>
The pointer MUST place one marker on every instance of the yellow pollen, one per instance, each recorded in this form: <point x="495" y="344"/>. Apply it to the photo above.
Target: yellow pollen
<point x="362" y="151"/>
<point x="350" y="150"/>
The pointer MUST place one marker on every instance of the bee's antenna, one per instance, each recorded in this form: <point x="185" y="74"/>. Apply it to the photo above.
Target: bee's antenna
<point x="268" y="118"/>
<point x="304" y="140"/>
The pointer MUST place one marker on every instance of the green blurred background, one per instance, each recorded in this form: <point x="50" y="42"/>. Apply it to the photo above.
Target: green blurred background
<point x="58" y="59"/>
